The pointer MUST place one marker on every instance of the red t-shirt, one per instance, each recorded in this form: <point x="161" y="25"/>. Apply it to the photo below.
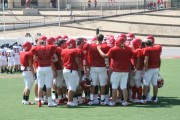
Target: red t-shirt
<point x="120" y="58"/>
<point x="94" y="59"/>
<point x="44" y="54"/>
<point x="153" y="53"/>
<point x="68" y="58"/>
<point x="58" y="65"/>
<point x="24" y="57"/>
<point x="79" y="52"/>
<point x="138" y="53"/>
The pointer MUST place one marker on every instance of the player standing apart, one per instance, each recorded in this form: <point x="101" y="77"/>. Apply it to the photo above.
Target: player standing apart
<point x="152" y="64"/>
<point x="26" y="60"/>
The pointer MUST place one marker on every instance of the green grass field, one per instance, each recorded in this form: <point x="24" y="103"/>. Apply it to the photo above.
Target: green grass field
<point x="168" y="107"/>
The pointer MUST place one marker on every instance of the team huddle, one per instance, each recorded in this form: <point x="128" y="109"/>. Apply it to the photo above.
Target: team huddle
<point x="10" y="58"/>
<point x="107" y="70"/>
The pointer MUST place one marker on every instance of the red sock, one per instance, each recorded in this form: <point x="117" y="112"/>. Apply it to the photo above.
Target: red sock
<point x="133" y="92"/>
<point x="139" y="91"/>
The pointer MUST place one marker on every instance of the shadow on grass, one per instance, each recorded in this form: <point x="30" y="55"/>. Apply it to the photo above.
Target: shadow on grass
<point x="166" y="102"/>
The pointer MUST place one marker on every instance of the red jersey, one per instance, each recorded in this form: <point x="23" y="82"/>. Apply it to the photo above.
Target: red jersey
<point x="79" y="52"/>
<point x="24" y="57"/>
<point x="153" y="53"/>
<point x="138" y="53"/>
<point x="94" y="59"/>
<point x="68" y="58"/>
<point x="44" y="54"/>
<point x="58" y="65"/>
<point x="120" y="58"/>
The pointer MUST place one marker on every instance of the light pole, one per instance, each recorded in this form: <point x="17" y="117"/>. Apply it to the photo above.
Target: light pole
<point x="59" y="13"/>
<point x="4" y="21"/>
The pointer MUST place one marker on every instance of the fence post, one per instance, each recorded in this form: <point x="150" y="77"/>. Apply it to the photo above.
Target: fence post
<point x="97" y="31"/>
<point x="74" y="18"/>
<point x="29" y="23"/>
<point x="144" y="5"/>
<point x="44" y="22"/>
<point x="88" y="16"/>
<point x="101" y="6"/>
<point x="101" y="13"/>
<point x="14" y="26"/>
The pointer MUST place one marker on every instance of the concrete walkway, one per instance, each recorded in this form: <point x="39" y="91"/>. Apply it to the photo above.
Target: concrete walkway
<point x="164" y="25"/>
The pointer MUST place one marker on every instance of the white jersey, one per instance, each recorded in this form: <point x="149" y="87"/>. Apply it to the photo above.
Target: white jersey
<point x="3" y="54"/>
<point x="16" y="52"/>
<point x="9" y="54"/>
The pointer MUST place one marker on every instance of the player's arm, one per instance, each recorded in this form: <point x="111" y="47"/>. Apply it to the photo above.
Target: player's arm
<point x="30" y="62"/>
<point x="101" y="52"/>
<point x="79" y="63"/>
<point x="137" y="63"/>
<point x="146" y="59"/>
<point x="35" y="57"/>
<point x="54" y="70"/>
<point x="55" y="58"/>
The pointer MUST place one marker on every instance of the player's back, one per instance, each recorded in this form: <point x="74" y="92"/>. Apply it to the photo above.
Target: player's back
<point x="68" y="58"/>
<point x="44" y="54"/>
<point x="94" y="58"/>
<point x="16" y="51"/>
<point x="154" y="56"/>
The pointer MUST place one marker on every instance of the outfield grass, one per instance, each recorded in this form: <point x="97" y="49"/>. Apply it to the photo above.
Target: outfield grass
<point x="168" y="107"/>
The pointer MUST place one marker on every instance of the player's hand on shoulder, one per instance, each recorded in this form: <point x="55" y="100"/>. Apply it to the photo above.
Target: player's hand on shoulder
<point x="98" y="47"/>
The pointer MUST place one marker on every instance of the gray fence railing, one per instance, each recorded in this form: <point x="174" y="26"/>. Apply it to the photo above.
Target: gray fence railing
<point x="46" y="21"/>
<point x="84" y="5"/>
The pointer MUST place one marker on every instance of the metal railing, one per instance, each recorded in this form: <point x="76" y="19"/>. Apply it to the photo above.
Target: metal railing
<point x="84" y="5"/>
<point x="53" y="20"/>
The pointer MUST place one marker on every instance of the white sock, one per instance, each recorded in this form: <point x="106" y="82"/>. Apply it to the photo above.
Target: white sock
<point x="40" y="98"/>
<point x="75" y="100"/>
<point x="106" y="96"/>
<point x="91" y="96"/>
<point x="95" y="96"/>
<point x="64" y="95"/>
<point x="102" y="97"/>
<point x="60" y="97"/>
<point x="49" y="99"/>
<point x="44" y="98"/>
